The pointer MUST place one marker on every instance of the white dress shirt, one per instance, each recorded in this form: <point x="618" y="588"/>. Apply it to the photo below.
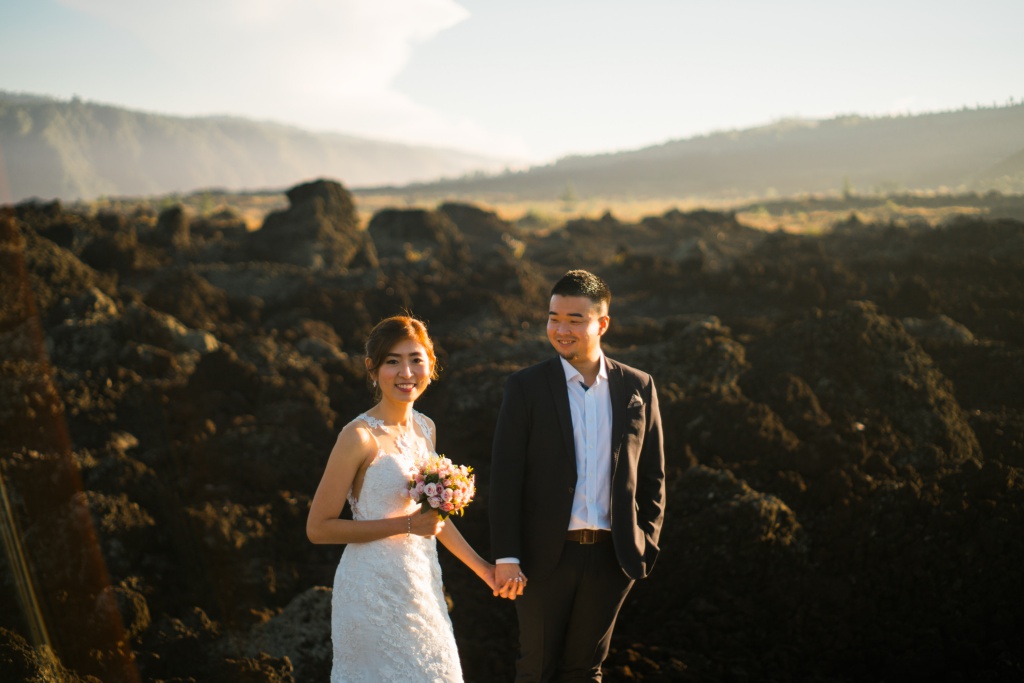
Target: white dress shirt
<point x="591" y="409"/>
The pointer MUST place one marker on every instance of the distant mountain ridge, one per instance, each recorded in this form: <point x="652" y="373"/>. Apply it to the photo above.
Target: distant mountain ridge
<point x="968" y="150"/>
<point x="69" y="150"/>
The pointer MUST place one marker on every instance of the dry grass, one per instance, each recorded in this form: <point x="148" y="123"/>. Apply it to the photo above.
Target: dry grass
<point x="544" y="214"/>
<point x="817" y="222"/>
<point x="548" y="215"/>
<point x="551" y="214"/>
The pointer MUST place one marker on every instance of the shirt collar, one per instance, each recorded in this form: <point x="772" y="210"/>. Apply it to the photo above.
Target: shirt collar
<point x="573" y="375"/>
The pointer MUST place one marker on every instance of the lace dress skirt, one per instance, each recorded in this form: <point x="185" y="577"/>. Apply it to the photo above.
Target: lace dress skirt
<point x="389" y="619"/>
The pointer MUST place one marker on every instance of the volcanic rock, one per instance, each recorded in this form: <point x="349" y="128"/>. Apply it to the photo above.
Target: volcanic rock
<point x="173" y="228"/>
<point x="23" y="662"/>
<point x="300" y="632"/>
<point x="319" y="230"/>
<point x="190" y="298"/>
<point x="842" y="419"/>
<point x="427" y="239"/>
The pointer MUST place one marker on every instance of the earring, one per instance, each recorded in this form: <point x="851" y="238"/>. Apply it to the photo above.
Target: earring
<point x="374" y="384"/>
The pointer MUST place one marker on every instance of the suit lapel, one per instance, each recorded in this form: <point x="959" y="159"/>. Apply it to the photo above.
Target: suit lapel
<point x="616" y="392"/>
<point x="560" y="395"/>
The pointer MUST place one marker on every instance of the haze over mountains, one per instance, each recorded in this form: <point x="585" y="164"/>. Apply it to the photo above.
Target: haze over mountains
<point x="79" y="150"/>
<point x="967" y="150"/>
<point x="82" y="150"/>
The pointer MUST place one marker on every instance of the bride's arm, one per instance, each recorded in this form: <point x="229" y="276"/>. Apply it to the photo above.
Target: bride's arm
<point x="460" y="548"/>
<point x="454" y="540"/>
<point x="354" y="448"/>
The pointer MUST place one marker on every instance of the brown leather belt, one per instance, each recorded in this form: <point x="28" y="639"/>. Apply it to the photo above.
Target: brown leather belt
<point x="588" y="536"/>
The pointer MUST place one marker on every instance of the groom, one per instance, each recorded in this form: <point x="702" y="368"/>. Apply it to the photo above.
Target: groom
<point x="577" y="489"/>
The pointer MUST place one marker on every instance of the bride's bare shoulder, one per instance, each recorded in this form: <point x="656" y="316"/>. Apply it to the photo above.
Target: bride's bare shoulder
<point x="356" y="438"/>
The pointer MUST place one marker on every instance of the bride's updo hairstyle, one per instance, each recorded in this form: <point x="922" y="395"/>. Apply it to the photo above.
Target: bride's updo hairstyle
<point x="390" y="332"/>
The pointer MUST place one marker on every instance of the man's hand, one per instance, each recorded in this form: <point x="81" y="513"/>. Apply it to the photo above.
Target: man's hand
<point x="509" y="580"/>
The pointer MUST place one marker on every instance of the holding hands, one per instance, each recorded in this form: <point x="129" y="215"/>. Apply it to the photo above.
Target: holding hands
<point x="506" y="580"/>
<point x="509" y="580"/>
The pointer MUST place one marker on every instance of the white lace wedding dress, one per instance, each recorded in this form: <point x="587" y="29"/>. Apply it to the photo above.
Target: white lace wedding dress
<point x="389" y="620"/>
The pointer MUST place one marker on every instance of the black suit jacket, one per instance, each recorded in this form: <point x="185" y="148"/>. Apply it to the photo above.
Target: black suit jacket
<point x="533" y="468"/>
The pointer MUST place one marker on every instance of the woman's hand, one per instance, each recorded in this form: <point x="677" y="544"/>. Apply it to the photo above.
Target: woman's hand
<point x="427" y="523"/>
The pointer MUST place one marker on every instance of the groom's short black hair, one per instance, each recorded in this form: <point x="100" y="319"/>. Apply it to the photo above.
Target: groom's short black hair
<point x="583" y="283"/>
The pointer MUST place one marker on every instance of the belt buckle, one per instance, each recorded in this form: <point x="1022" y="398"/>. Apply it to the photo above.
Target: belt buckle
<point x="588" y="536"/>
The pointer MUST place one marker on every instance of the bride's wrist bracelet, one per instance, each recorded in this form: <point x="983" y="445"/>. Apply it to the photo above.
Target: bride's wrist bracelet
<point x="408" y="525"/>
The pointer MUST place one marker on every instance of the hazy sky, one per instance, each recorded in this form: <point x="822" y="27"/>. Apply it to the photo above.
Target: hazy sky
<point x="537" y="79"/>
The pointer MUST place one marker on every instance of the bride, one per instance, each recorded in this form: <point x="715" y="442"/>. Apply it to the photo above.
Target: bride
<point x="389" y="619"/>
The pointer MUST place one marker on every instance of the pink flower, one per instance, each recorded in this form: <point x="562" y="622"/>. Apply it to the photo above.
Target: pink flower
<point x="435" y="482"/>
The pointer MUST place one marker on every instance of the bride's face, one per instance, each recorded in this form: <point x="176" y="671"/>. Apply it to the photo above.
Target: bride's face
<point x="404" y="374"/>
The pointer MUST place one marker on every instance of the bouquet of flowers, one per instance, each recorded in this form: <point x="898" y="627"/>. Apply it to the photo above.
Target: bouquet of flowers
<point x="438" y="484"/>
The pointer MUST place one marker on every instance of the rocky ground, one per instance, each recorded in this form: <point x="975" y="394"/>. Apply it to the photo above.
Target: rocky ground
<point x="844" y="434"/>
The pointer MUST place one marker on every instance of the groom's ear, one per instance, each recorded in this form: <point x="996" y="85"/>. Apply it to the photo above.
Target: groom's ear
<point x="603" y="322"/>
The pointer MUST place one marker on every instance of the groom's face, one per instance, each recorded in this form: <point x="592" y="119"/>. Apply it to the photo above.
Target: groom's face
<point x="575" y="327"/>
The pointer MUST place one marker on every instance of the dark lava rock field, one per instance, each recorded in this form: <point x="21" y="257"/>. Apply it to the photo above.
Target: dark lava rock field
<point x="844" y="431"/>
